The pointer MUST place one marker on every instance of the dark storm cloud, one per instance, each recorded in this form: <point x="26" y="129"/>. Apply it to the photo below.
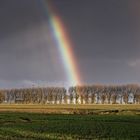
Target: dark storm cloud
<point x="18" y="15"/>
<point x="26" y="52"/>
<point x="105" y="34"/>
<point x="106" y="37"/>
<point x="101" y="28"/>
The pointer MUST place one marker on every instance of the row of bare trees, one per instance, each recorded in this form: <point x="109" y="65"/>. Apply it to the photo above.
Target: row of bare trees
<point x="102" y="94"/>
<point x="85" y="94"/>
<point x="33" y="95"/>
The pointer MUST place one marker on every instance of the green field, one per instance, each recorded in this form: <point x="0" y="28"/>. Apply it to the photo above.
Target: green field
<point x="69" y="122"/>
<point x="31" y="126"/>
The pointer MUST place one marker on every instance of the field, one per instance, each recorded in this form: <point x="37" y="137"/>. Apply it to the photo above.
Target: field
<point x="62" y="122"/>
<point x="72" y="109"/>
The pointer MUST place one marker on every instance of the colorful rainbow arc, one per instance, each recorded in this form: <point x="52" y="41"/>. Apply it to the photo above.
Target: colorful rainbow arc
<point x="64" y="45"/>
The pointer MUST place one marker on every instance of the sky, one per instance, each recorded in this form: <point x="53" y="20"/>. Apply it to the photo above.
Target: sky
<point x="105" y="35"/>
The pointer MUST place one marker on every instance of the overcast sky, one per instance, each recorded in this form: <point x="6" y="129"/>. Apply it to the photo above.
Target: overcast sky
<point x="105" y="34"/>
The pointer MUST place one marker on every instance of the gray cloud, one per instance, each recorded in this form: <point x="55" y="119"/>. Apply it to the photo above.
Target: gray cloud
<point x="105" y="37"/>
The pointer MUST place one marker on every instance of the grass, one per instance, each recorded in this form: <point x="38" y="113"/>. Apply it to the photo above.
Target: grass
<point x="69" y="122"/>
<point x="34" y="126"/>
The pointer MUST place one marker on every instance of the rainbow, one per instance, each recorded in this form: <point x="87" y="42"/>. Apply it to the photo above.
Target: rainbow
<point x="64" y="45"/>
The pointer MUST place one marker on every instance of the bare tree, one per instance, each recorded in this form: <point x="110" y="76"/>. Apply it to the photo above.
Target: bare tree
<point x="2" y="96"/>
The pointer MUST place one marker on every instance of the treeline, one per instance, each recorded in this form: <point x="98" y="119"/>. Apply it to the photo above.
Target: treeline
<point x="86" y="94"/>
